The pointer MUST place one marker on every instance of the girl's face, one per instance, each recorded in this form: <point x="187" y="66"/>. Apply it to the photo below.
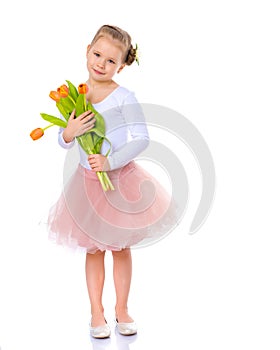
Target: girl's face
<point x="104" y="59"/>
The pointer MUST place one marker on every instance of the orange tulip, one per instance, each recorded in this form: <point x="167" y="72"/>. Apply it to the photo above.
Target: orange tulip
<point x="63" y="90"/>
<point x="55" y="95"/>
<point x="37" y="134"/>
<point x="83" y="88"/>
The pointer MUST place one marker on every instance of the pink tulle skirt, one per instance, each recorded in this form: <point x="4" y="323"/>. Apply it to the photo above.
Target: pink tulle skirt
<point x="138" y="212"/>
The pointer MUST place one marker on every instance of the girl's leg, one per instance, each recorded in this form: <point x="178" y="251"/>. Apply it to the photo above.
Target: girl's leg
<point x="122" y="279"/>
<point x="95" y="276"/>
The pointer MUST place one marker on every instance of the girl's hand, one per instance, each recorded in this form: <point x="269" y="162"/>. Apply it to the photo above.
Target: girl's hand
<point x="98" y="162"/>
<point x="78" y="126"/>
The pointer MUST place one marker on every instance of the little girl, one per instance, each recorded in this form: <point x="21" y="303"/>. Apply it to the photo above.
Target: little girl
<point x="138" y="209"/>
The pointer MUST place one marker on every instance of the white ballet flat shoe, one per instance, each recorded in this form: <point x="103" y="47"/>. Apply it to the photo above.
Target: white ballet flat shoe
<point x="126" y="328"/>
<point x="100" y="332"/>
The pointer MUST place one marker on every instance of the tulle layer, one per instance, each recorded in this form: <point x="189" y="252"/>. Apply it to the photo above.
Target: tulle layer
<point x="138" y="212"/>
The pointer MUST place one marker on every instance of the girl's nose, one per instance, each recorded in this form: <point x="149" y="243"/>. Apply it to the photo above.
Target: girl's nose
<point x="101" y="63"/>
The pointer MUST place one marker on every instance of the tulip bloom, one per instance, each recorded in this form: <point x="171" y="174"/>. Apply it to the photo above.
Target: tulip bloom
<point x="63" y="91"/>
<point x="37" y="134"/>
<point x="55" y="95"/>
<point x="83" y="89"/>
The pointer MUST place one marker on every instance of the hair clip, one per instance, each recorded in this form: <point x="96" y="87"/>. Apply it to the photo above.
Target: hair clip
<point x="137" y="54"/>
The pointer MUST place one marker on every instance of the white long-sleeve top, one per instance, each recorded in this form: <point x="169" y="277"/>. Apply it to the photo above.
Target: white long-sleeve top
<point x="125" y="128"/>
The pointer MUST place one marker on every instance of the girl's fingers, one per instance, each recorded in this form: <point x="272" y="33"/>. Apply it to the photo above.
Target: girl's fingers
<point x="87" y="121"/>
<point x="72" y="115"/>
<point x="86" y="115"/>
<point x="87" y="126"/>
<point x="98" y="162"/>
<point x="83" y="123"/>
<point x="91" y="119"/>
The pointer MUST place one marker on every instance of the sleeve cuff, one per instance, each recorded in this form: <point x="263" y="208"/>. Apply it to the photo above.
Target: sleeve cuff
<point x="64" y="144"/>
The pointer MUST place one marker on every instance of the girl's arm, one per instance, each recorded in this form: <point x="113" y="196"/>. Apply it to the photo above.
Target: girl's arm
<point x="135" y="121"/>
<point x="62" y="142"/>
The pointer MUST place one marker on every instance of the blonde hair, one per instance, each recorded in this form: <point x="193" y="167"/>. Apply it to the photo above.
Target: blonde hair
<point x="122" y="37"/>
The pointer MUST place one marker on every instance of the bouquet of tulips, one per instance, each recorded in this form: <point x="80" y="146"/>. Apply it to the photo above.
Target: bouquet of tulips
<point x="67" y="99"/>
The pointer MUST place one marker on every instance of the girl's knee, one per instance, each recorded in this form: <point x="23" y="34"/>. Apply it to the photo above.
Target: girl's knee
<point x="121" y="253"/>
<point x="95" y="254"/>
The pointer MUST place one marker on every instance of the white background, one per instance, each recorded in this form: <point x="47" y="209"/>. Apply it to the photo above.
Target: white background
<point x="217" y="63"/>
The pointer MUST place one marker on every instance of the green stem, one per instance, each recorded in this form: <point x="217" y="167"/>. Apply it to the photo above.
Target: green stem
<point x="99" y="174"/>
<point x="85" y="103"/>
<point x="71" y="98"/>
<point x="102" y="175"/>
<point x="48" y="126"/>
<point x="108" y="181"/>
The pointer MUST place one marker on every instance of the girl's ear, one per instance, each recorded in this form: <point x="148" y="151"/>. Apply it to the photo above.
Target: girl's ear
<point x="88" y="48"/>
<point x="121" y="68"/>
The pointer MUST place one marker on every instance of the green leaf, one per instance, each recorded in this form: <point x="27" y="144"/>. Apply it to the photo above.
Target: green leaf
<point x="91" y="108"/>
<point x="72" y="90"/>
<point x="62" y="111"/>
<point x="80" y="105"/>
<point x="110" y="144"/>
<point x="67" y="104"/>
<point x="54" y="120"/>
<point x="97" y="132"/>
<point x="84" y="145"/>
<point x="98" y="145"/>
<point x="99" y="123"/>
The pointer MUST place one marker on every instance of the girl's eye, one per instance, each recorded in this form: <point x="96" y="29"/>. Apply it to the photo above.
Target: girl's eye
<point x="96" y="54"/>
<point x="111" y="61"/>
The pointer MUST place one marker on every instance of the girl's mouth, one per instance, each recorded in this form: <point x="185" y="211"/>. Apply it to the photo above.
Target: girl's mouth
<point x="97" y="72"/>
